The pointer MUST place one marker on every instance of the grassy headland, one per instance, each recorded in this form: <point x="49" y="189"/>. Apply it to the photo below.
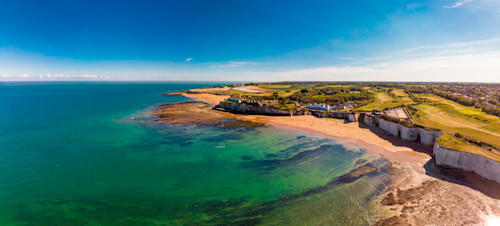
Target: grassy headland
<point x="460" y="144"/>
<point x="437" y="112"/>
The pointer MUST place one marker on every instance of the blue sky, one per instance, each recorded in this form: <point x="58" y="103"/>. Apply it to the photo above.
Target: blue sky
<point x="389" y="40"/>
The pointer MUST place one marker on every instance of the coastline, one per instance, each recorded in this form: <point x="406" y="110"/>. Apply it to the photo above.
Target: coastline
<point x="335" y="128"/>
<point x="414" y="172"/>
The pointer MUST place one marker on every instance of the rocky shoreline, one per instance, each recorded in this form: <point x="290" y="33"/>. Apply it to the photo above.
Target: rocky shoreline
<point x="435" y="201"/>
<point x="200" y="113"/>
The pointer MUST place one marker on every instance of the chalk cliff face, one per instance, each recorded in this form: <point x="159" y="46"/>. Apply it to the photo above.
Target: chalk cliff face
<point x="323" y="114"/>
<point x="484" y="167"/>
<point x="249" y="109"/>
<point x="390" y="127"/>
<point x="352" y="117"/>
<point x="409" y="134"/>
<point x="428" y="137"/>
<point x="371" y="121"/>
<point x="425" y="137"/>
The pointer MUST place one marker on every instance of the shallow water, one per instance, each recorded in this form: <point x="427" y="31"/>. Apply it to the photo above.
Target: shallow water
<point x="89" y="153"/>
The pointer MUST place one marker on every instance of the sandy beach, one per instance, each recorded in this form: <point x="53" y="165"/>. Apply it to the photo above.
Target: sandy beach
<point x="454" y="194"/>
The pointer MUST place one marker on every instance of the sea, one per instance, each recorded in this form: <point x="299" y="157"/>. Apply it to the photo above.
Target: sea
<point x="91" y="153"/>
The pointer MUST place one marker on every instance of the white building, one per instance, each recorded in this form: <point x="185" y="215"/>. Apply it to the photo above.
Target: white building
<point x="235" y="100"/>
<point x="323" y="107"/>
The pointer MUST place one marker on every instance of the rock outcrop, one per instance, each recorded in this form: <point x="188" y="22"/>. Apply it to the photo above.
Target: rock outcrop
<point x="485" y="167"/>
<point x="250" y="109"/>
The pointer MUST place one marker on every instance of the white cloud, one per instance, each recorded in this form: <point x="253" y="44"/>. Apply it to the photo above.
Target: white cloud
<point x="15" y="76"/>
<point x="188" y="59"/>
<point x="459" y="4"/>
<point x="458" y="68"/>
<point x="475" y="61"/>
<point x="233" y="64"/>
<point x="74" y="76"/>
<point x="55" y="77"/>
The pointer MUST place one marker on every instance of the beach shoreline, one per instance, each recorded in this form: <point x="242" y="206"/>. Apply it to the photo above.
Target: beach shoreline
<point x="333" y="128"/>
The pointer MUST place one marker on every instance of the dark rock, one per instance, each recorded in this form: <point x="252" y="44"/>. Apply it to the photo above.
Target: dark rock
<point x="389" y="200"/>
<point x="173" y="94"/>
<point x="360" y="161"/>
<point x="247" y="157"/>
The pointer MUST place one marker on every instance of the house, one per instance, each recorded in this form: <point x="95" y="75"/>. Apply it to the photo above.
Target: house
<point x="235" y="100"/>
<point x="337" y="108"/>
<point x="323" y="107"/>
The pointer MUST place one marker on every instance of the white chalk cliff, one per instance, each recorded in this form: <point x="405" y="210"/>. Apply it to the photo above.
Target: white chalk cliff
<point x="485" y="167"/>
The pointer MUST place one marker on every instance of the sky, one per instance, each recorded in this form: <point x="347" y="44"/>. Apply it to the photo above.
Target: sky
<point x="218" y="40"/>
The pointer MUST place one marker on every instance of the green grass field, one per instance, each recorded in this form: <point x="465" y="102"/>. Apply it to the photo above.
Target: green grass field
<point x="284" y="87"/>
<point x="275" y="86"/>
<point x="280" y="93"/>
<point x="285" y="94"/>
<point x="444" y="114"/>
<point x="233" y="91"/>
<point x="383" y="100"/>
<point x="400" y="93"/>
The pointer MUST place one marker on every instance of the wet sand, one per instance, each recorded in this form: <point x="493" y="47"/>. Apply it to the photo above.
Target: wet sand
<point x="420" y="193"/>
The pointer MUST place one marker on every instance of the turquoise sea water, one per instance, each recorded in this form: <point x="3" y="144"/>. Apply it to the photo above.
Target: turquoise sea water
<point x="89" y="153"/>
